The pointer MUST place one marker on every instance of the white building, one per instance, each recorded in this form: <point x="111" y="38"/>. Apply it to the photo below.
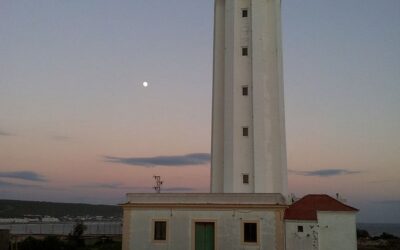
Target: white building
<point x="320" y="222"/>
<point x="48" y="219"/>
<point x="204" y="221"/>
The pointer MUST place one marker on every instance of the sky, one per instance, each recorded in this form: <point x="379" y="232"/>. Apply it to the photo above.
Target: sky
<point x="77" y="125"/>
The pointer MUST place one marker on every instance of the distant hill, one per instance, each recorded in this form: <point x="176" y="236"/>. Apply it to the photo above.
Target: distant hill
<point x="15" y="208"/>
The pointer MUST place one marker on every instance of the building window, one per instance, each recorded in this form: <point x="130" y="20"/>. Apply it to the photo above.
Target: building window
<point x="245" y="51"/>
<point x="300" y="229"/>
<point x="250" y="232"/>
<point x="245" y="178"/>
<point x="245" y="131"/>
<point x="245" y="13"/>
<point x="160" y="230"/>
<point x="245" y="91"/>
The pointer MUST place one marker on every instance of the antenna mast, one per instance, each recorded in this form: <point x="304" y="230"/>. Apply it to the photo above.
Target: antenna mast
<point x="159" y="182"/>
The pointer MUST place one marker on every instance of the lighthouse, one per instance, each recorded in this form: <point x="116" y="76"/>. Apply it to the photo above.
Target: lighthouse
<point x="248" y="120"/>
<point x="246" y="206"/>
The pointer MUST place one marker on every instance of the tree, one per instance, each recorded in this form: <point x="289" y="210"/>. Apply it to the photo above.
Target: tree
<point x="386" y="236"/>
<point x="30" y="243"/>
<point x="75" y="238"/>
<point x="52" y="243"/>
<point x="105" y="243"/>
<point x="361" y="233"/>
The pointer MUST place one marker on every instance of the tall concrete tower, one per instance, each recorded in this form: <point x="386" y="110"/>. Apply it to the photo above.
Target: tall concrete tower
<point x="248" y="123"/>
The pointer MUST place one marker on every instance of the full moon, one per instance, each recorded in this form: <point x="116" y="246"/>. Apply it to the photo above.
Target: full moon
<point x="145" y="84"/>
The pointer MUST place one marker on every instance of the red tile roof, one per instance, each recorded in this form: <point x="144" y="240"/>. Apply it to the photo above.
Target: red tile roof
<point x="306" y="208"/>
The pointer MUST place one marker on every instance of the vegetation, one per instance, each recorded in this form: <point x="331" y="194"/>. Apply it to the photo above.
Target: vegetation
<point x="383" y="242"/>
<point x="14" y="208"/>
<point x="386" y="236"/>
<point x="75" y="238"/>
<point x="49" y="243"/>
<point x="361" y="233"/>
<point x="54" y="243"/>
<point x="74" y="241"/>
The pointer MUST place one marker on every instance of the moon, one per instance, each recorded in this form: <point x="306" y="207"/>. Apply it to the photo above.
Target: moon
<point x="145" y="84"/>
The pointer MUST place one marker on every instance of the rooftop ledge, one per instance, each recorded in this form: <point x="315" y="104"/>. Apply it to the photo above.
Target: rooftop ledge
<point x="206" y="198"/>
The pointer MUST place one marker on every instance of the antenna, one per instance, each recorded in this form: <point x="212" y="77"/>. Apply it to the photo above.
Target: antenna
<point x="159" y="182"/>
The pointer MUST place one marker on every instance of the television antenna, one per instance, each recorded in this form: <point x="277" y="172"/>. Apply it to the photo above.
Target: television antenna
<point x="159" y="182"/>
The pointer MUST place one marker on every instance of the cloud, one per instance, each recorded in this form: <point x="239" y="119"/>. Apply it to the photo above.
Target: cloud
<point x="389" y="202"/>
<point x="104" y="186"/>
<point x="324" y="172"/>
<point x="148" y="189"/>
<point x="109" y="186"/>
<point x="23" y="175"/>
<point x="5" y="184"/>
<point x="3" y="133"/>
<point x="384" y="181"/>
<point x="112" y="185"/>
<point x="176" y="160"/>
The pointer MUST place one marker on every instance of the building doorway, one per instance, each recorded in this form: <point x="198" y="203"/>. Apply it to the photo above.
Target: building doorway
<point x="204" y="236"/>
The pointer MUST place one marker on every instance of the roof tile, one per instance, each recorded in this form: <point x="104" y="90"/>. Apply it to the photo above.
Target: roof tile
<point x="306" y="208"/>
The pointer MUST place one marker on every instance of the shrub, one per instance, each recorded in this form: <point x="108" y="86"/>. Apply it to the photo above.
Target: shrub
<point x="361" y="233"/>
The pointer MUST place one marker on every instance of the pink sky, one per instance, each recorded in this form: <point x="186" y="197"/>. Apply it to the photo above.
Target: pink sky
<point x="71" y="93"/>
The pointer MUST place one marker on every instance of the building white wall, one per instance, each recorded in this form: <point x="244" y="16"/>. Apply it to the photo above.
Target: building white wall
<point x="306" y="240"/>
<point x="261" y="155"/>
<point x="50" y="219"/>
<point x="337" y="230"/>
<point x="180" y="221"/>
<point x="269" y="147"/>
<point x="332" y="231"/>
<point x="217" y="138"/>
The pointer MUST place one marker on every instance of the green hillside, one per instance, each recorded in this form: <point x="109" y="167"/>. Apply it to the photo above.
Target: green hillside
<point x="15" y="208"/>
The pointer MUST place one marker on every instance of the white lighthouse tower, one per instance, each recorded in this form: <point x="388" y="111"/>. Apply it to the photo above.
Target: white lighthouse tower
<point x="248" y="128"/>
